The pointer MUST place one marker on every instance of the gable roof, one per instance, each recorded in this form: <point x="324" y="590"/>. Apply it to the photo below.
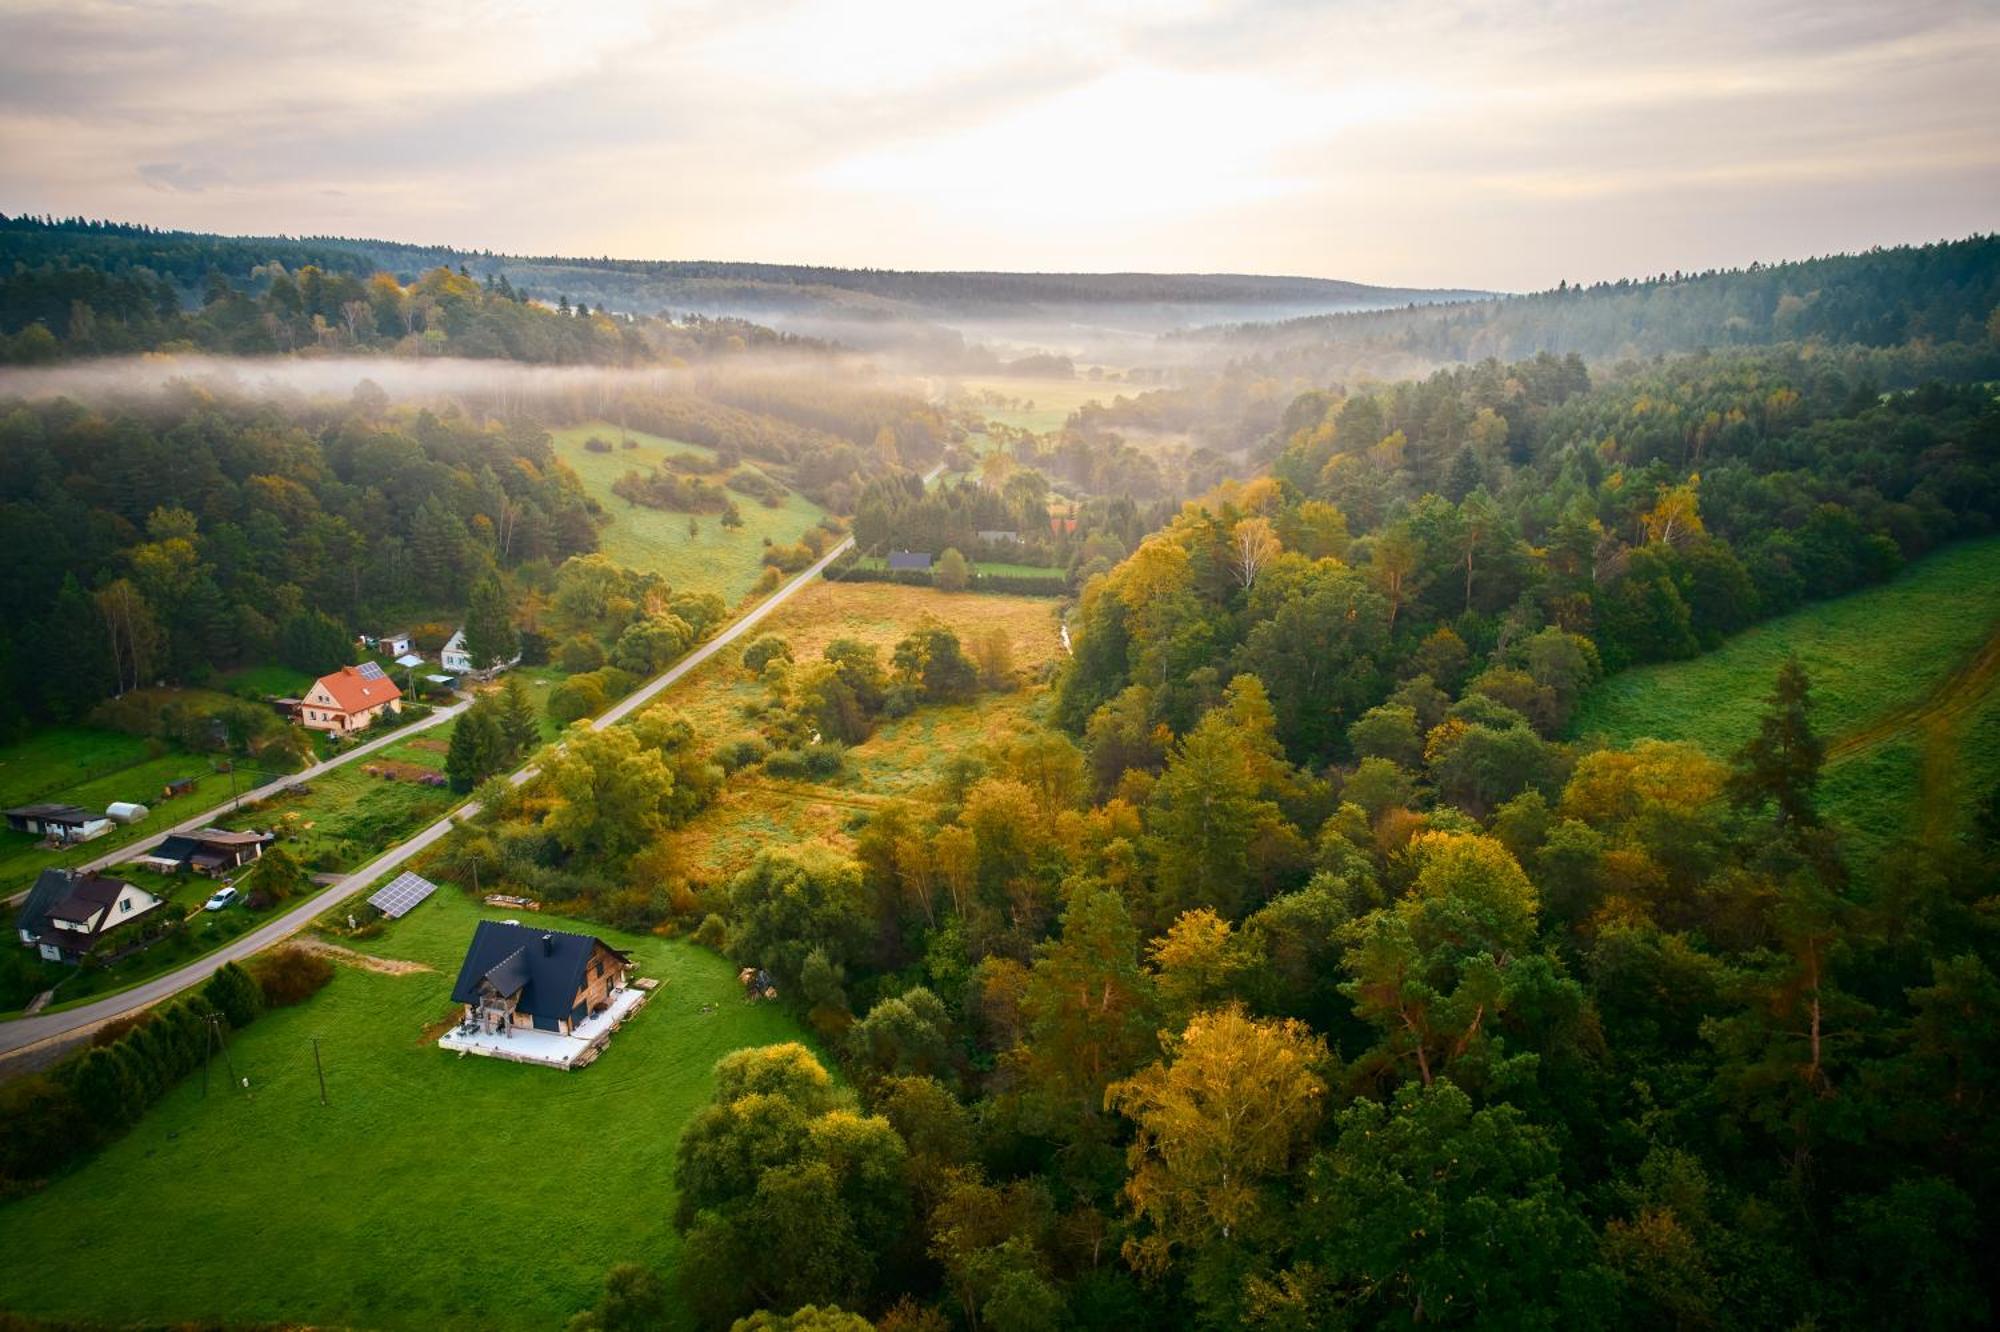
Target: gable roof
<point x="546" y="967"/>
<point x="355" y="691"/>
<point x="61" y="896"/>
<point x="909" y="559"/>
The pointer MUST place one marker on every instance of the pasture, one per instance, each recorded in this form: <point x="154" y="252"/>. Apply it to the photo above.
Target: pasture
<point x="715" y="559"/>
<point x="1903" y="690"/>
<point x="432" y="1192"/>
<point x="1039" y="404"/>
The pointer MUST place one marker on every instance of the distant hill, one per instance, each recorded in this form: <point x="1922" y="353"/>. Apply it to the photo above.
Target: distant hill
<point x="1942" y="293"/>
<point x="1152" y="300"/>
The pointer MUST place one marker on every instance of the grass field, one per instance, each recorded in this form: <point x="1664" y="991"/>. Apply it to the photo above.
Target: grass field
<point x="433" y="1192"/>
<point x="656" y="540"/>
<point x="269" y="680"/>
<point x="1902" y="679"/>
<point x="981" y="566"/>
<point x="899" y="760"/>
<point x="78" y="765"/>
<point x="1042" y="405"/>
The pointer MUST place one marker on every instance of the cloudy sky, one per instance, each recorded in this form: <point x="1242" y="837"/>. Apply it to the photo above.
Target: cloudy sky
<point x="1504" y="144"/>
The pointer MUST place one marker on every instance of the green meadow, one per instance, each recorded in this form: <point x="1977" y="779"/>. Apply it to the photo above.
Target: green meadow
<point x="715" y="559"/>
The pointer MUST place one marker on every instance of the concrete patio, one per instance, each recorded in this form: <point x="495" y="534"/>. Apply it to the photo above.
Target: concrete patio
<point x="525" y="1045"/>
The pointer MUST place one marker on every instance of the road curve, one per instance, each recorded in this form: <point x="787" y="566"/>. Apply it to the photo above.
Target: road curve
<point x="45" y="1029"/>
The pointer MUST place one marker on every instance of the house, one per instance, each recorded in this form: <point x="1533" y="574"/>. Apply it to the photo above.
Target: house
<point x="67" y="914"/>
<point x="539" y="996"/>
<point x="392" y="644"/>
<point x="207" y="851"/>
<point x="458" y="661"/>
<point x="349" y="699"/>
<point x="58" y="823"/>
<point x="914" y="560"/>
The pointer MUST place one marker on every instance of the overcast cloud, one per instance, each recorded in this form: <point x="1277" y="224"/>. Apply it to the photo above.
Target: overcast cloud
<point x="1493" y="145"/>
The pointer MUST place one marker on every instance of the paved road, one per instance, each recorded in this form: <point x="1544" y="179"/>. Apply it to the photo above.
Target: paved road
<point x="130" y="850"/>
<point x="57" y="1030"/>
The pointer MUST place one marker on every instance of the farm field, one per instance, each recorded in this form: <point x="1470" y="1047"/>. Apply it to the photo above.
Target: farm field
<point x="1903" y="682"/>
<point x="433" y="1192"/>
<point x="903" y="755"/>
<point x="656" y="540"/>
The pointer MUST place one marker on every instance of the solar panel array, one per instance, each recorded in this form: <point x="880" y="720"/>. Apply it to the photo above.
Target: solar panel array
<point x="369" y="670"/>
<point x="401" y="893"/>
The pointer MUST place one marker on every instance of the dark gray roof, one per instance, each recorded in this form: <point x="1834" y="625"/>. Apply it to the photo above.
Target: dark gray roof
<point x="51" y="887"/>
<point x="73" y="814"/>
<point x="58" y="893"/>
<point x="909" y="559"/>
<point x="545" y="966"/>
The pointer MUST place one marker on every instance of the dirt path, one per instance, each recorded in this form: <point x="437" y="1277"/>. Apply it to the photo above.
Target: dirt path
<point x="388" y="966"/>
<point x="1941" y="709"/>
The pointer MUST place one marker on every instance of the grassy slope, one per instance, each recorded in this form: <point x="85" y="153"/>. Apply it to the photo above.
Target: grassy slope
<point x="434" y="1192"/>
<point x="1874" y="658"/>
<point x="656" y="540"/>
<point x="898" y="760"/>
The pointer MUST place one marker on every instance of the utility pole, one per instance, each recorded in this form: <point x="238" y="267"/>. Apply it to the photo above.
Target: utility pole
<point x="319" y="1069"/>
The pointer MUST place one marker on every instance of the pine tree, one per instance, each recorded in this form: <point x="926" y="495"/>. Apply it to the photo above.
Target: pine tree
<point x="475" y="748"/>
<point x="1781" y="763"/>
<point x="490" y="637"/>
<point x="518" y="720"/>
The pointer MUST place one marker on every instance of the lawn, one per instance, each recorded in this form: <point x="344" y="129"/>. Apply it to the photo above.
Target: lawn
<point x="267" y="681"/>
<point x="1054" y="575"/>
<point x="433" y="1192"/>
<point x="656" y="540"/>
<point x="79" y="765"/>
<point x="1901" y="688"/>
<point x="898" y="761"/>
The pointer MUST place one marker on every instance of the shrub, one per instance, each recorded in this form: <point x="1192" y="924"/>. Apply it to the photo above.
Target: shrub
<point x="290" y="975"/>
<point x="596" y="444"/>
<point x="785" y="763"/>
<point x="580" y="653"/>
<point x="825" y="758"/>
<point x="234" y="995"/>
<point x="763" y="651"/>
<point x="713" y="932"/>
<point x="741" y="752"/>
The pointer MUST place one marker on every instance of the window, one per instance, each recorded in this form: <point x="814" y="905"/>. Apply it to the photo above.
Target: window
<point x="124" y="904"/>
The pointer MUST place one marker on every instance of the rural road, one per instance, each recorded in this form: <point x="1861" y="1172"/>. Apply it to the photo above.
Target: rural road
<point x="47" y="1031"/>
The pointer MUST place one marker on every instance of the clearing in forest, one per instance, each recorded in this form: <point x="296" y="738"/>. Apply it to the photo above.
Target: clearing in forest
<point x="1903" y="680"/>
<point x="901" y="759"/>
<point x="715" y="559"/>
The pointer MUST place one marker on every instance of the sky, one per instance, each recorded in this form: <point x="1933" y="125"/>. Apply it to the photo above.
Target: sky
<point x="1503" y="145"/>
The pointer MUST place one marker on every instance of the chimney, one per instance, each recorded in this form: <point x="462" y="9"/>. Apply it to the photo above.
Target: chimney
<point x="548" y="944"/>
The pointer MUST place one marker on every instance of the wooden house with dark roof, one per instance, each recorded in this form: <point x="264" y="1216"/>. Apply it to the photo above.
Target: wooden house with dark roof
<point x="547" y="980"/>
<point x="66" y="914"/>
<point x="207" y="851"/>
